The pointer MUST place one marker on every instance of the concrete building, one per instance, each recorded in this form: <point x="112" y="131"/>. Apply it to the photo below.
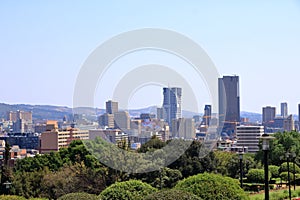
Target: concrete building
<point x="14" y="116"/>
<point x="55" y="139"/>
<point x="112" y="107"/>
<point x="114" y="136"/>
<point x="288" y="123"/>
<point x="229" y="103"/>
<point x="147" y="116"/>
<point x="248" y="136"/>
<point x="172" y="103"/>
<point x="136" y="127"/>
<point x="24" y="141"/>
<point x="106" y="120"/>
<point x="184" y="128"/>
<point x="269" y="114"/>
<point x="122" y="120"/>
<point x="284" y="110"/>
<point x="160" y="113"/>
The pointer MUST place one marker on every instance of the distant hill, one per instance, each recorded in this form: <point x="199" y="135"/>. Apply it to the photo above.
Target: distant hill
<point x="43" y="112"/>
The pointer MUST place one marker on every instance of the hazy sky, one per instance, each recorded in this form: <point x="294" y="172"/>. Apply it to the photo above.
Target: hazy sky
<point x="43" y="45"/>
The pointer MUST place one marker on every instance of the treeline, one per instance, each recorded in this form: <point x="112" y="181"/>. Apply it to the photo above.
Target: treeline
<point x="75" y="169"/>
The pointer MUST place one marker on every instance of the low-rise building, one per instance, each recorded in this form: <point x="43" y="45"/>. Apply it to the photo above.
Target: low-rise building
<point x="55" y="139"/>
<point x="248" y="136"/>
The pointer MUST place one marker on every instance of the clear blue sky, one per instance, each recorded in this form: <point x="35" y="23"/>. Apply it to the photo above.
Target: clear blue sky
<point x="43" y="44"/>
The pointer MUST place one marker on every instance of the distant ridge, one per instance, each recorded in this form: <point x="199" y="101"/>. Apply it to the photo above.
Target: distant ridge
<point x="44" y="112"/>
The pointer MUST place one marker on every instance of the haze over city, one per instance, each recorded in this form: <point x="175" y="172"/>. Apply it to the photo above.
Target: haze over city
<point x="43" y="46"/>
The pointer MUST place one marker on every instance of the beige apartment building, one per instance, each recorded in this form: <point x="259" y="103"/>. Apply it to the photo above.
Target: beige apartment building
<point x="55" y="139"/>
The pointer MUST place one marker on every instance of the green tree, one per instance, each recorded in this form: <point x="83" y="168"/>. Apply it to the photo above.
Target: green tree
<point x="129" y="190"/>
<point x="171" y="195"/>
<point x="256" y="176"/>
<point x="283" y="143"/>
<point x="191" y="164"/>
<point x="78" y="196"/>
<point x="212" y="186"/>
<point x="152" y="145"/>
<point x="233" y="166"/>
<point x="274" y="170"/>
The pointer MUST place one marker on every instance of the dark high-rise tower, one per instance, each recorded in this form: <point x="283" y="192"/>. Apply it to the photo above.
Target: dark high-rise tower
<point x="207" y="115"/>
<point x="229" y="102"/>
<point x="269" y="114"/>
<point x="111" y="107"/>
<point x="299" y="115"/>
<point x="172" y="104"/>
<point x="284" y="110"/>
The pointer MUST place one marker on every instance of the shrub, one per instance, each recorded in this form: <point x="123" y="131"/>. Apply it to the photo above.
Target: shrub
<point x="274" y="171"/>
<point x="129" y="190"/>
<point x="11" y="197"/>
<point x="212" y="186"/>
<point x="257" y="176"/>
<point x="172" y="194"/>
<point x="78" y="196"/>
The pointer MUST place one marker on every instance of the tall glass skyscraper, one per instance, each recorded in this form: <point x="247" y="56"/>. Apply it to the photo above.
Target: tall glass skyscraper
<point x="229" y="103"/>
<point x="172" y="104"/>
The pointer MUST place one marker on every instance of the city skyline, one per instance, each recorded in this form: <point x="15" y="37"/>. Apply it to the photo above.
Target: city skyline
<point x="42" y="53"/>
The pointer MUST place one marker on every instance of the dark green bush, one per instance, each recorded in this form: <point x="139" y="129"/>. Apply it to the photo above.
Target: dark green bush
<point x="79" y="196"/>
<point x="212" y="186"/>
<point x="11" y="197"/>
<point x="257" y="176"/>
<point x="129" y="190"/>
<point x="171" y="195"/>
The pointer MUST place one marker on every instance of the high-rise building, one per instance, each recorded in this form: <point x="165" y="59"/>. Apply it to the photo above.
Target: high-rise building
<point x="284" y="110"/>
<point x="207" y="115"/>
<point x="269" y="114"/>
<point x="106" y="120"/>
<point x="122" y="120"/>
<point x="111" y="107"/>
<point x="299" y="115"/>
<point x="160" y="113"/>
<point x="184" y="128"/>
<point x="14" y="116"/>
<point x="288" y="123"/>
<point x="172" y="103"/>
<point x="229" y="103"/>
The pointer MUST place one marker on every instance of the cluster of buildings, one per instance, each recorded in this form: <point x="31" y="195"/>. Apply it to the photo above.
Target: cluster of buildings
<point x="28" y="138"/>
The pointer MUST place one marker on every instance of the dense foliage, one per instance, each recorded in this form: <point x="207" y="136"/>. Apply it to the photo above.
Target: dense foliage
<point x="171" y="195"/>
<point x="76" y="170"/>
<point x="212" y="186"/>
<point x="257" y="176"/>
<point x="79" y="196"/>
<point x="129" y="190"/>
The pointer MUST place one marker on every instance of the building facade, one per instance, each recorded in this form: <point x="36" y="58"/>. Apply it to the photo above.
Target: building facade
<point x="55" y="139"/>
<point x="229" y="103"/>
<point x="112" y="107"/>
<point x="269" y="114"/>
<point x="172" y="103"/>
<point x="248" y="136"/>
<point x="284" y="110"/>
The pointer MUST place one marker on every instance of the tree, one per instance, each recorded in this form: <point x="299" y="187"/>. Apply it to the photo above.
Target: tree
<point x="78" y="196"/>
<point x="283" y="143"/>
<point x="190" y="164"/>
<point x="172" y="194"/>
<point x="233" y="166"/>
<point x="284" y="168"/>
<point x="152" y="145"/>
<point x="256" y="176"/>
<point x="274" y="170"/>
<point x="129" y="190"/>
<point x="212" y="186"/>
